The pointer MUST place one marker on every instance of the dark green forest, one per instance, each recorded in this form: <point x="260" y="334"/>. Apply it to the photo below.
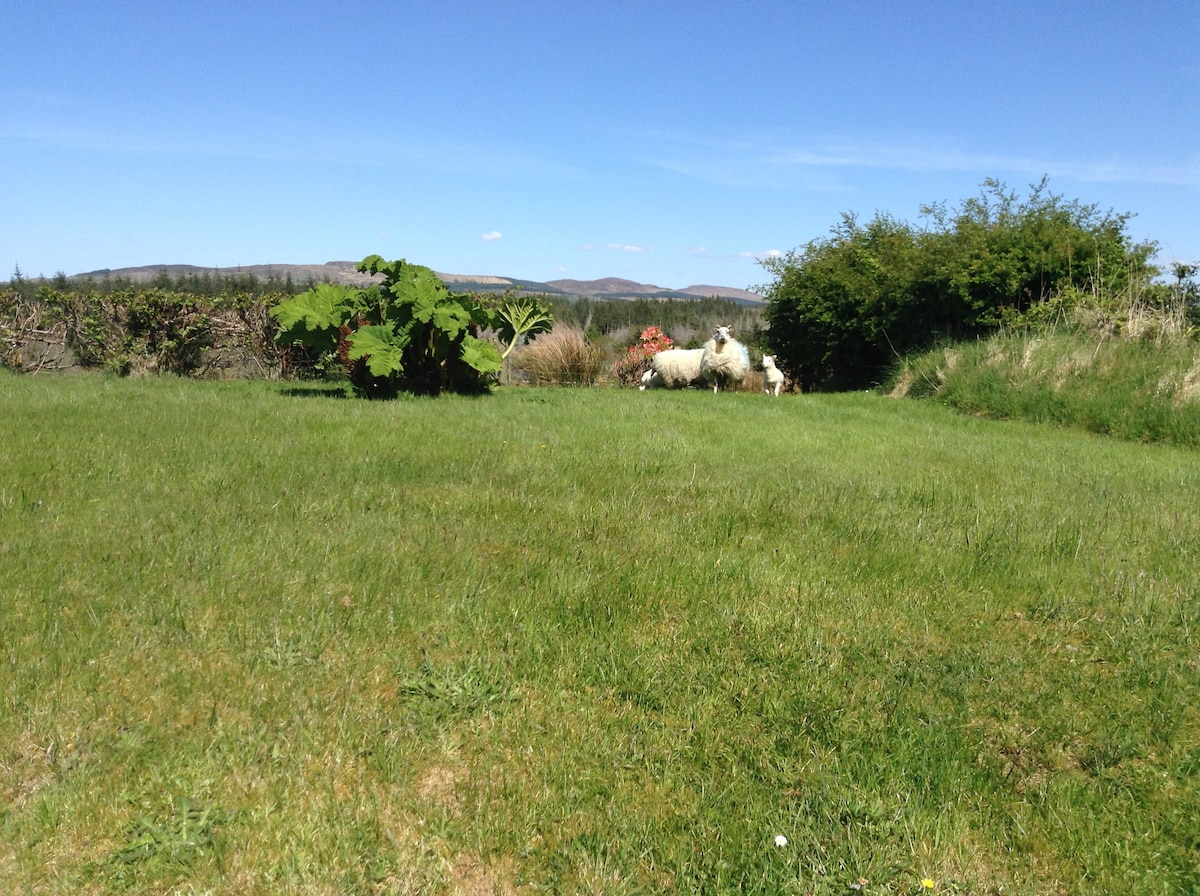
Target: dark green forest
<point x="687" y="321"/>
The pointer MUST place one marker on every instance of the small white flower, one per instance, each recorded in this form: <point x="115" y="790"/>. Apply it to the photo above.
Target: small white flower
<point x="780" y="840"/>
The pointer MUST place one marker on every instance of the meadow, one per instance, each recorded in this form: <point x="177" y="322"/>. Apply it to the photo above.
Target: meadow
<point x="261" y="638"/>
<point x="1143" y="389"/>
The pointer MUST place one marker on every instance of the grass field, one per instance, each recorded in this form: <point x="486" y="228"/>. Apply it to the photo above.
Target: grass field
<point x="259" y="639"/>
<point x="1144" y="390"/>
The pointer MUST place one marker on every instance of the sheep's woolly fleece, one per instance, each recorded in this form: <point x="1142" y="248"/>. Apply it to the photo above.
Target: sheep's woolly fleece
<point x="673" y="369"/>
<point x="724" y="361"/>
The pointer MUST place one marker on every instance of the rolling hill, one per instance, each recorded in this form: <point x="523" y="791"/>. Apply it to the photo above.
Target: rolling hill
<point x="613" y="288"/>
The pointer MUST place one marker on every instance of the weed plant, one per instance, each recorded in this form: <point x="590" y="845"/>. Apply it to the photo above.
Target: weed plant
<point x="261" y="639"/>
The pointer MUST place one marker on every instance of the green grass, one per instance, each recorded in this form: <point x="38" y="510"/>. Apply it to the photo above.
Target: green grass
<point x="1145" y="391"/>
<point x="259" y="640"/>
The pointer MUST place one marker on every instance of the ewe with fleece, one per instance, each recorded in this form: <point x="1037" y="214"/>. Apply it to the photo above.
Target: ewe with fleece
<point x="673" y="369"/>
<point x="723" y="361"/>
<point x="772" y="376"/>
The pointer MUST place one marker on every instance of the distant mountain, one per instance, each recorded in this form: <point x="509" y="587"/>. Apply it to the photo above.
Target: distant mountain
<point x="332" y="272"/>
<point x="608" y="286"/>
<point x="347" y="272"/>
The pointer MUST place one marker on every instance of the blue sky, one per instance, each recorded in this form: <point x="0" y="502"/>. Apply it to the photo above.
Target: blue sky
<point x="669" y="143"/>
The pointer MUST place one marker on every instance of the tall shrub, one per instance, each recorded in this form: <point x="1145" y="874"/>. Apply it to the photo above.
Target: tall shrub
<point x="999" y="255"/>
<point x="843" y="308"/>
<point x="840" y="304"/>
<point x="407" y="334"/>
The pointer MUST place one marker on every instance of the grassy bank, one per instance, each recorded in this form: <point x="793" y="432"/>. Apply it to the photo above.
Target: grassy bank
<point x="265" y="640"/>
<point x="1146" y="390"/>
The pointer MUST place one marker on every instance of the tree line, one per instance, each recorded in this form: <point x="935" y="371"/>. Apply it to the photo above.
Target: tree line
<point x="687" y="321"/>
<point x="208" y="284"/>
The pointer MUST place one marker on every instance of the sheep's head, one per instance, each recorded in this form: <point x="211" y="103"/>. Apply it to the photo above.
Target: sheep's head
<point x="768" y="361"/>
<point x="721" y="335"/>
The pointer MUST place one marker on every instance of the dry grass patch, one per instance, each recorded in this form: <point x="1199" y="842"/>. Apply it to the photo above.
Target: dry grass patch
<point x="562" y="357"/>
<point x="28" y="766"/>
<point x="471" y="877"/>
<point x="1189" y="388"/>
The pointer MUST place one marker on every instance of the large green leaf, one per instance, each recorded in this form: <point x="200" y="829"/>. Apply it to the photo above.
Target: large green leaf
<point x="480" y="355"/>
<point x="313" y="318"/>
<point x="521" y="317"/>
<point x="373" y="263"/>
<point x="424" y="306"/>
<point x="451" y="317"/>
<point x="380" y="346"/>
<point x="410" y="283"/>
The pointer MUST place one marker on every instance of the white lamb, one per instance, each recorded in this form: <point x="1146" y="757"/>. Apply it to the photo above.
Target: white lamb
<point x="724" y="361"/>
<point x="772" y="376"/>
<point x="673" y="369"/>
<point x="651" y="380"/>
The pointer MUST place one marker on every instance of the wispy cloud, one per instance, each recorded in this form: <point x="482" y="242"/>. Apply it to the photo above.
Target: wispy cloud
<point x="622" y="247"/>
<point x="814" y="163"/>
<point x="934" y="157"/>
<point x="491" y="236"/>
<point x="246" y="141"/>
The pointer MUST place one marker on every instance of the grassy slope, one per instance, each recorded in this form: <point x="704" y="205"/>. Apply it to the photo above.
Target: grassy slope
<point x="587" y="641"/>
<point x="1147" y="391"/>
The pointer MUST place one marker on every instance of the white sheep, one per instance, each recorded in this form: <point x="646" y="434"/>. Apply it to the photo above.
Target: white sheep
<point x="724" y="361"/>
<point x="772" y="376"/>
<point x="673" y="369"/>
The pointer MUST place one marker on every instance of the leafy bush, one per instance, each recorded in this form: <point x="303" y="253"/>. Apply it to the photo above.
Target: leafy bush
<point x="842" y="308"/>
<point x="408" y="334"/>
<point x="628" y="369"/>
<point x="134" y="330"/>
<point x="1138" y="311"/>
<point x="837" y="305"/>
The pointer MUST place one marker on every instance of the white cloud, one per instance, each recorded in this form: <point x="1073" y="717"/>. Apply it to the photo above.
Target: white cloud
<point x="491" y="236"/>
<point x="944" y="156"/>
<point x="786" y="161"/>
<point x="759" y="256"/>
<point x="620" y="247"/>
